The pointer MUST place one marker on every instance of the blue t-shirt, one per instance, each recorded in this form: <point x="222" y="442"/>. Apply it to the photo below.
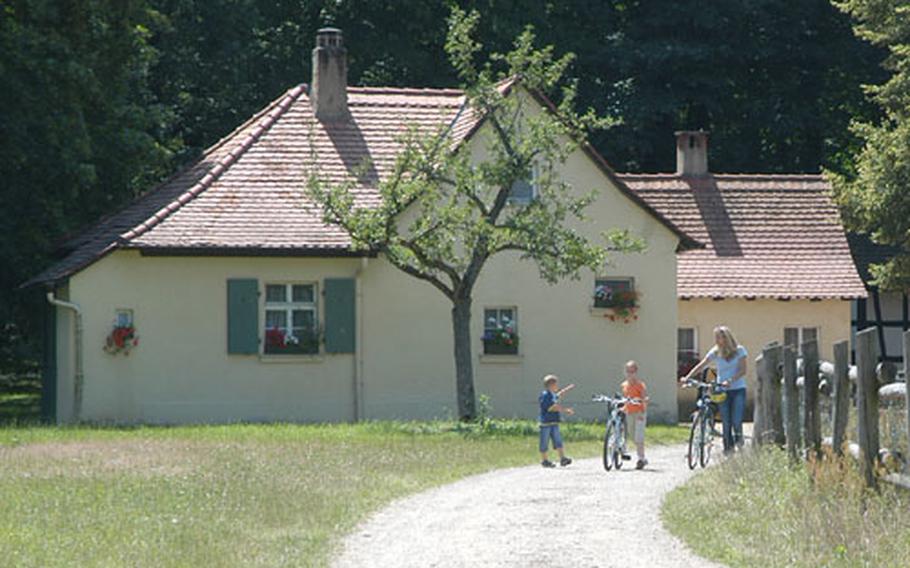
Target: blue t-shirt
<point x="727" y="368"/>
<point x="546" y="400"/>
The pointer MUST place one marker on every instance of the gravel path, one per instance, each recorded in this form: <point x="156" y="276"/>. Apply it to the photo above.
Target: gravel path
<point x="580" y="516"/>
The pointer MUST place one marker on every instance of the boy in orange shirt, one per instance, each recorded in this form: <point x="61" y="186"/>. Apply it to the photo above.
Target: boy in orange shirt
<point x="636" y="412"/>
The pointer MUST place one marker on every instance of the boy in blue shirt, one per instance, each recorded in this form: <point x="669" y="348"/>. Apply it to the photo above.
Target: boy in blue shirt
<point x="549" y="420"/>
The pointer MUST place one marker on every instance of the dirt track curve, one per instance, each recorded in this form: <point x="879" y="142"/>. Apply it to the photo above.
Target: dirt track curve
<point x="579" y="516"/>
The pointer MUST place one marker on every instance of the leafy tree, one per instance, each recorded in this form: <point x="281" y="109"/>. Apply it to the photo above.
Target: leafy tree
<point x="463" y="216"/>
<point x="79" y="134"/>
<point x="877" y="199"/>
<point x="223" y="60"/>
<point x="775" y="82"/>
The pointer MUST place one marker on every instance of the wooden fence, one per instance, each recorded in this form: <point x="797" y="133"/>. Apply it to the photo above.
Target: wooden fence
<point x="799" y="397"/>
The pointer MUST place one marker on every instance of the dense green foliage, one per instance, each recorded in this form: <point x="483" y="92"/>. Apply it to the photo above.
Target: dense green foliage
<point x="102" y="97"/>
<point x="877" y="198"/>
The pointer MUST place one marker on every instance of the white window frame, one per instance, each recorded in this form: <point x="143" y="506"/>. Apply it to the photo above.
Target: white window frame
<point x="694" y="331"/>
<point x="289" y="306"/>
<point x="515" y="322"/>
<point x="128" y="316"/>
<point x="800" y="335"/>
<point x="534" y="182"/>
<point x="695" y="348"/>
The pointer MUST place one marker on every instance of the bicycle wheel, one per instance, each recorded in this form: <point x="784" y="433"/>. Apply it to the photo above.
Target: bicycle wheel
<point x="693" y="456"/>
<point x="707" y="438"/>
<point x="608" y="446"/>
<point x="619" y="447"/>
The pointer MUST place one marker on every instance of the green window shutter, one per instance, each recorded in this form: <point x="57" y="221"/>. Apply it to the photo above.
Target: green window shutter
<point x="243" y="316"/>
<point x="340" y="319"/>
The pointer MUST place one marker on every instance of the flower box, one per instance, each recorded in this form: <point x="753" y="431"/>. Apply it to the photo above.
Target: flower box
<point x="497" y="348"/>
<point x="616" y="305"/>
<point x="278" y="342"/>
<point x="122" y="339"/>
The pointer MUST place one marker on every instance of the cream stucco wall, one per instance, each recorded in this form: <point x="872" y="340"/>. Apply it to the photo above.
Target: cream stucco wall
<point x="756" y="323"/>
<point x="408" y="342"/>
<point x="181" y="371"/>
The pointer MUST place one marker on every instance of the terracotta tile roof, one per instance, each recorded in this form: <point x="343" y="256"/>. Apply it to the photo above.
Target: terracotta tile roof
<point x="767" y="236"/>
<point x="246" y="194"/>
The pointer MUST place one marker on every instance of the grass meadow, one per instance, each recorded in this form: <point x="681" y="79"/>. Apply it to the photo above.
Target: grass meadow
<point x="759" y="511"/>
<point x="235" y="495"/>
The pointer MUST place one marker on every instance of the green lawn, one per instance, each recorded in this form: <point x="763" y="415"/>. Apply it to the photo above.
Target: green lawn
<point x="249" y="495"/>
<point x="758" y="511"/>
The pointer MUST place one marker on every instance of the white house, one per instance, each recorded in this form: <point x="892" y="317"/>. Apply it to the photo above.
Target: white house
<point x="225" y="273"/>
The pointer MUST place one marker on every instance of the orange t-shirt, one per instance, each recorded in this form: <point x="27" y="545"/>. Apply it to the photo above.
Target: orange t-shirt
<point x="637" y="390"/>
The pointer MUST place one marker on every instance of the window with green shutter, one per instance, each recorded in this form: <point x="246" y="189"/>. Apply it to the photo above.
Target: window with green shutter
<point x="243" y="316"/>
<point x="291" y="321"/>
<point x="340" y="317"/>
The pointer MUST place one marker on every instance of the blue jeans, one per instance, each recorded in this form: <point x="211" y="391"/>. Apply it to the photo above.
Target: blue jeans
<point x="546" y="434"/>
<point x="731" y="412"/>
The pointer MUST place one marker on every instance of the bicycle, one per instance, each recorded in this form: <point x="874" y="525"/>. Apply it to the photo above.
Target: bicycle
<point x="702" y="432"/>
<point x="615" y="435"/>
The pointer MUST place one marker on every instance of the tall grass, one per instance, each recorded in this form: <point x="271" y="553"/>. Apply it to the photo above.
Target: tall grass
<point x="233" y="495"/>
<point x="759" y="510"/>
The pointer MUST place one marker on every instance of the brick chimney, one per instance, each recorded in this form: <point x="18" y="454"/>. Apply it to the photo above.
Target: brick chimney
<point x="692" y="153"/>
<point x="328" y="92"/>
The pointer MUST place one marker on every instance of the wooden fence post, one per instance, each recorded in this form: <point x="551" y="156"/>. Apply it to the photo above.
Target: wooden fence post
<point x="812" y="427"/>
<point x="791" y="398"/>
<point x="758" y="418"/>
<point x="867" y="402"/>
<point x="772" y="419"/>
<point x="841" y="394"/>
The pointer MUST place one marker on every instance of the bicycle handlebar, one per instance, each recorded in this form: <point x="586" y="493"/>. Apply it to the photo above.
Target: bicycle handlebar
<point x="615" y="400"/>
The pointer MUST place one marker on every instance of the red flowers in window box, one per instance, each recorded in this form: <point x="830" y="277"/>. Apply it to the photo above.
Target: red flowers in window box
<point x="121" y="339"/>
<point x="618" y="305"/>
<point x="274" y="337"/>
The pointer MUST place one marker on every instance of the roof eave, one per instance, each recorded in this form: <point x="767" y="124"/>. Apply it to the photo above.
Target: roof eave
<point x="777" y="297"/>
<point x="253" y="251"/>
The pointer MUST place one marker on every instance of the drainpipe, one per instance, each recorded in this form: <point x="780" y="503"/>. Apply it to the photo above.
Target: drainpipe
<point x="78" y="376"/>
<point x="359" y="405"/>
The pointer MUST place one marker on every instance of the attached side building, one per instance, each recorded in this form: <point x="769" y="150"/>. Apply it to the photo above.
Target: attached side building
<point x="776" y="267"/>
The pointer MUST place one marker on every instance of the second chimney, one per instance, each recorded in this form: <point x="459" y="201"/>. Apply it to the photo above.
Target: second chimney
<point x="329" y="91"/>
<point x="692" y="153"/>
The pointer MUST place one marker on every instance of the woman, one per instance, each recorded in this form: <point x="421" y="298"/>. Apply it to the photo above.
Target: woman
<point x="730" y="359"/>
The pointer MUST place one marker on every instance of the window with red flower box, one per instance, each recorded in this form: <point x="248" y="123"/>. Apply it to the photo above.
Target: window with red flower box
<point x="291" y="322"/>
<point x="500" y="331"/>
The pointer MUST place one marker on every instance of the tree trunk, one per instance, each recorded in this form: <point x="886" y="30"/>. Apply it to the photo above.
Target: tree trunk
<point x="464" y="364"/>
